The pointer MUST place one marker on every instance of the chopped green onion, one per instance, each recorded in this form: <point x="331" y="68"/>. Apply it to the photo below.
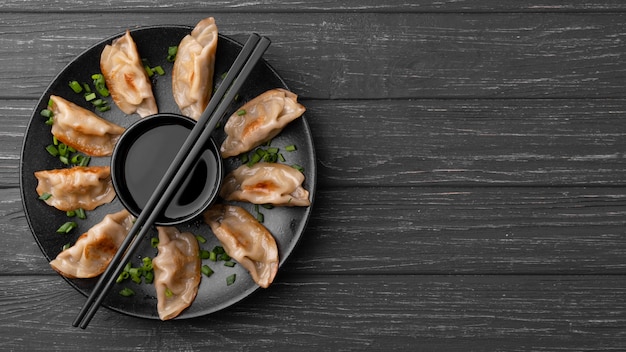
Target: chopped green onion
<point x="291" y="148"/>
<point x="243" y="158"/>
<point x="52" y="150"/>
<point x="268" y="206"/>
<point x="46" y="113"/>
<point x="84" y="161"/>
<point x="50" y="121"/>
<point x="64" y="160"/>
<point x="80" y="212"/>
<point x="272" y="150"/>
<point x="147" y="263"/>
<point x="148" y="71"/>
<point x="67" y="227"/>
<point x="201" y="239"/>
<point x="76" y="87"/>
<point x="90" y="96"/>
<point x="127" y="267"/>
<point x="154" y="241"/>
<point x="281" y="157"/>
<point x="229" y="264"/>
<point x="55" y="141"/>
<point x="231" y="279"/>
<point x="206" y="270"/>
<point x="171" y="53"/>
<point x="122" y="276"/>
<point x="260" y="217"/>
<point x="219" y="250"/>
<point x="71" y="149"/>
<point x="224" y="75"/>
<point x="148" y="277"/>
<point x="255" y="159"/>
<point x="212" y="256"/>
<point x="168" y="293"/>
<point x="62" y="148"/>
<point x="66" y="246"/>
<point x="135" y="271"/>
<point x="104" y="108"/>
<point x="127" y="292"/>
<point x="159" y="70"/>
<point x="241" y="112"/>
<point x="70" y="213"/>
<point x="86" y="88"/>
<point x="45" y="196"/>
<point x="204" y="254"/>
<point x="75" y="159"/>
<point x="298" y="167"/>
<point x="225" y="257"/>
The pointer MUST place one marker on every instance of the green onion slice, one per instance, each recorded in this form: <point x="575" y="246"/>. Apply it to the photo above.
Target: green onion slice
<point x="67" y="227"/>
<point x="127" y="292"/>
<point x="45" y="196"/>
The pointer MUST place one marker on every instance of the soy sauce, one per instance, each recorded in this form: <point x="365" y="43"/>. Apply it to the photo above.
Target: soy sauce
<point x="148" y="159"/>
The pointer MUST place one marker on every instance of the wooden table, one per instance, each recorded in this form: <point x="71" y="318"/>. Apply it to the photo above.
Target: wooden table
<point x="471" y="177"/>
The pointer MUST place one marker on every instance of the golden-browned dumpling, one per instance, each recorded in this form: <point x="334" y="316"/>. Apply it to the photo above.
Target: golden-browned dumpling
<point x="94" y="249"/>
<point x="126" y="77"/>
<point x="266" y="183"/>
<point x="245" y="240"/>
<point x="260" y="120"/>
<point x="176" y="271"/>
<point x="85" y="187"/>
<point x="192" y="75"/>
<point x="82" y="129"/>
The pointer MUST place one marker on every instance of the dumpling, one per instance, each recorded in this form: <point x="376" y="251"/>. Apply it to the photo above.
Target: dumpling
<point x="82" y="129"/>
<point x="266" y="183"/>
<point x="94" y="249"/>
<point x="126" y="77"/>
<point x="260" y="120"/>
<point x="245" y="240"/>
<point x="176" y="271"/>
<point x="192" y="75"/>
<point x="85" y="187"/>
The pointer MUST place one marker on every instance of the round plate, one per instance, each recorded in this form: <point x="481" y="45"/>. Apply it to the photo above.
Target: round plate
<point x="286" y="223"/>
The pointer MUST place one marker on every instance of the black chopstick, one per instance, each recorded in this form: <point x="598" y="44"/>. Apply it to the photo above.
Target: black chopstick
<point x="182" y="163"/>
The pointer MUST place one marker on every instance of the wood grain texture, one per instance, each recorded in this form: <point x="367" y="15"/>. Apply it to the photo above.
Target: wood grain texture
<point x="542" y="142"/>
<point x="402" y="230"/>
<point x="399" y="55"/>
<point x="471" y="191"/>
<point x="222" y="6"/>
<point x="309" y="313"/>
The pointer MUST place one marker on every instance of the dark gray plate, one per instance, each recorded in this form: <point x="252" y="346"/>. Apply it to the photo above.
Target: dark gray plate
<point x="286" y="224"/>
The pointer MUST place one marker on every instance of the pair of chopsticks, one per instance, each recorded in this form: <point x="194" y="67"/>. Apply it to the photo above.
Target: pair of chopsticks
<point x="177" y="171"/>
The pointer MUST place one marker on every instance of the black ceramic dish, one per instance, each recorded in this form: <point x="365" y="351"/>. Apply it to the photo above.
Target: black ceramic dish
<point x="143" y="154"/>
<point x="287" y="224"/>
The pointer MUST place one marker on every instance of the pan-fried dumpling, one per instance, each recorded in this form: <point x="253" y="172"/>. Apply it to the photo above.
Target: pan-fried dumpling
<point x="126" y="77"/>
<point x="82" y="129"/>
<point x="260" y="120"/>
<point x="94" y="249"/>
<point x="245" y="240"/>
<point x="192" y="75"/>
<point x="85" y="187"/>
<point x="176" y="271"/>
<point x="266" y="183"/>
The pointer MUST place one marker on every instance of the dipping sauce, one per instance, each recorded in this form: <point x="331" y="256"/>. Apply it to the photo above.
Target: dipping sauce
<point x="145" y="155"/>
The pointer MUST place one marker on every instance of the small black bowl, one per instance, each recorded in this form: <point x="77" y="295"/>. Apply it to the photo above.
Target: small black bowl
<point x="143" y="154"/>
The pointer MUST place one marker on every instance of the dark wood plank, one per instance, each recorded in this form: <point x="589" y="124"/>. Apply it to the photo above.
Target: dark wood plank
<point x="425" y="230"/>
<point x="437" y="142"/>
<point x="318" y="5"/>
<point x="311" y="313"/>
<point x="366" y="56"/>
